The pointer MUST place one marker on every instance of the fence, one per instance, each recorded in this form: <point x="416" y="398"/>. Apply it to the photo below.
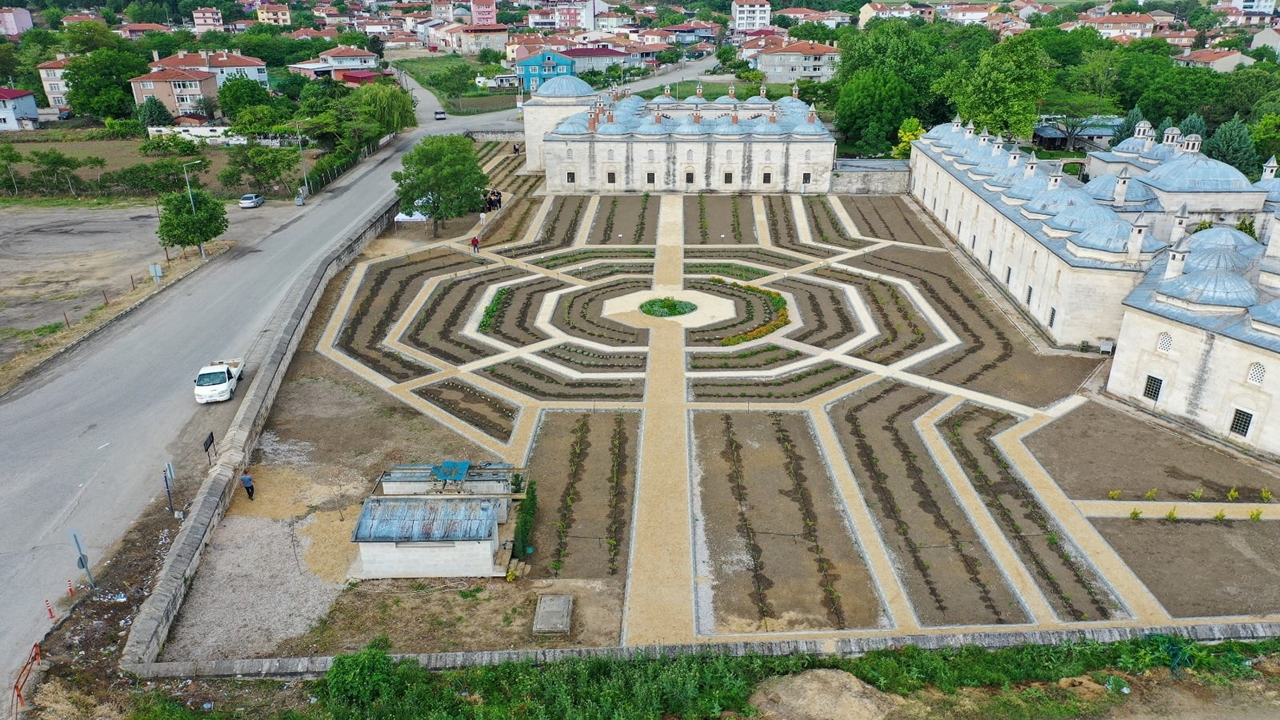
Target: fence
<point x="316" y="181"/>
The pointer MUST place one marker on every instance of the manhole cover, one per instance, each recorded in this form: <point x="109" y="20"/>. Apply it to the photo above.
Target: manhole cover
<point x="553" y="615"/>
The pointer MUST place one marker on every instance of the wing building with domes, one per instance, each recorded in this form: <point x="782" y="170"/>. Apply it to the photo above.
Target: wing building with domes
<point x="1194" y="316"/>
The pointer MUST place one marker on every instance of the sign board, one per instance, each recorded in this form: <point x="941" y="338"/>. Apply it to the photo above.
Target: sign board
<point x="208" y="442"/>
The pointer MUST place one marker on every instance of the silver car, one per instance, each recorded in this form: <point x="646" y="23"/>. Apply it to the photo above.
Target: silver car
<point x="252" y="201"/>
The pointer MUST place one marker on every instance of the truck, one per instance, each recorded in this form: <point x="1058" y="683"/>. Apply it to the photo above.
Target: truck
<point x="217" y="381"/>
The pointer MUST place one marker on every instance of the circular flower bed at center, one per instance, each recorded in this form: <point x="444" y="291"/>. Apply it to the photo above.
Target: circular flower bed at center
<point x="667" y="307"/>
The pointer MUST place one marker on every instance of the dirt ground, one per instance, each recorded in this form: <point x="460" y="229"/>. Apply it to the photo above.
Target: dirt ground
<point x="719" y="220"/>
<point x="828" y="319"/>
<point x="782" y="228"/>
<point x="889" y="218"/>
<point x="619" y="220"/>
<point x="1235" y="572"/>
<point x="1089" y="453"/>
<point x="54" y="261"/>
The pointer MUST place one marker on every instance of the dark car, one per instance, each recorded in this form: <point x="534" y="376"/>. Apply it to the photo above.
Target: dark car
<point x="440" y="115"/>
<point x="65" y="115"/>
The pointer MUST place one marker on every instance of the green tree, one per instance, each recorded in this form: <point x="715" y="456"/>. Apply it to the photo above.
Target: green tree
<point x="181" y="226"/>
<point x="152" y="113"/>
<point x="376" y="46"/>
<point x="814" y="32"/>
<point x="53" y="170"/>
<point x="489" y="56"/>
<point x="154" y="179"/>
<point x="10" y="158"/>
<point x="783" y="21"/>
<point x="85" y="37"/>
<point x="362" y="682"/>
<point x="53" y="17"/>
<point x="98" y="83"/>
<point x="262" y="168"/>
<point x="1071" y="112"/>
<point x="291" y="86"/>
<point x="1193" y="124"/>
<point x="1164" y="125"/>
<point x="239" y="93"/>
<point x="1004" y="91"/>
<point x="909" y="131"/>
<point x="257" y="120"/>
<point x="670" y="56"/>
<point x="441" y="179"/>
<point x="1232" y="145"/>
<point x="1124" y="130"/>
<point x="1095" y="74"/>
<point x="871" y="107"/>
<point x="1265" y="134"/>
<point x="452" y="81"/>
<point x="390" y="106"/>
<point x="726" y="54"/>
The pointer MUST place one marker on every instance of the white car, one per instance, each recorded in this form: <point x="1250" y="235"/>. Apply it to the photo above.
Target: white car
<point x="217" y="381"/>
<point x="252" y="201"/>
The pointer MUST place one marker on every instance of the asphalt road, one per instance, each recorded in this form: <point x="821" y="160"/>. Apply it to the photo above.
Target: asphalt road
<point x="82" y="444"/>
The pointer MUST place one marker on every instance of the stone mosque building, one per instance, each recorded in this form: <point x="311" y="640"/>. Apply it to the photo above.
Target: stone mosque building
<point x="1194" y="316"/>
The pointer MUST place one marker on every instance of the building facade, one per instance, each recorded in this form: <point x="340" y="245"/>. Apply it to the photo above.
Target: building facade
<point x="484" y="12"/>
<point x="751" y="15"/>
<point x="14" y="22"/>
<point x="222" y="63"/>
<point x="537" y="69"/>
<point x="798" y="61"/>
<point x="55" y="88"/>
<point x="180" y="91"/>
<point x="18" y="110"/>
<point x="278" y="15"/>
<point x="207" y="20"/>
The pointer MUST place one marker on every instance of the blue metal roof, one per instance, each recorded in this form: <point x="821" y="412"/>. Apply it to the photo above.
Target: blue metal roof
<point x="1194" y="172"/>
<point x="453" y="470"/>
<point x="425" y="519"/>
<point x="564" y="86"/>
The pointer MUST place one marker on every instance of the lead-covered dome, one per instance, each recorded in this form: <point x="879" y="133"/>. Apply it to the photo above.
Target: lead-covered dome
<point x="1211" y="287"/>
<point x="1052" y="202"/>
<point x="1077" y="217"/>
<point x="1221" y="237"/>
<point x="565" y="86"/>
<point x="1216" y="258"/>
<point x="1028" y="187"/>
<point x="1103" y="188"/>
<point x="1196" y="172"/>
<point x="1112" y="237"/>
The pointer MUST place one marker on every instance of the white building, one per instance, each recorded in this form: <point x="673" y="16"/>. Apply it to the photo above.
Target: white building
<point x="55" y="89"/>
<point x="18" y="110"/>
<point x="588" y="142"/>
<point x="414" y="537"/>
<point x="798" y="61"/>
<point x="1254" y="6"/>
<point x="751" y="14"/>
<point x="1195" y="318"/>
<point x="222" y="63"/>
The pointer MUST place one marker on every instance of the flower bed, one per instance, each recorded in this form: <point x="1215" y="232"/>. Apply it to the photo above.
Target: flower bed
<point x="760" y="357"/>
<point x="578" y="314"/>
<point x="782" y="228"/>
<point x="486" y="412"/>
<point x="758" y="313"/>
<point x="889" y="218"/>
<point x="826" y="228"/>
<point x="793" y="387"/>
<point x="437" y="330"/>
<point x="627" y="220"/>
<point x="514" y="321"/>
<point x="718" y="220"/>
<point x="539" y="383"/>
<point x="559" y="229"/>
<point x="828" y="320"/>
<point x="585" y="359"/>
<point x="607" y="270"/>
<point x="755" y="255"/>
<point x="559" y="260"/>
<point x="667" y="307"/>
<point x="730" y="270"/>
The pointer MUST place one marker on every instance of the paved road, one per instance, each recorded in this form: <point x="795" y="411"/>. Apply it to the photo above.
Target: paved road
<point x="81" y="445"/>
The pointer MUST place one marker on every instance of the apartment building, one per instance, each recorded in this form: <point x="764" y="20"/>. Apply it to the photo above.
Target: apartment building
<point x="179" y="90"/>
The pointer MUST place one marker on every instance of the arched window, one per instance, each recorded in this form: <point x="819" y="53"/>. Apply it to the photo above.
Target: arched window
<point x="1257" y="373"/>
<point x="728" y="156"/>
<point x="609" y="156"/>
<point x="1164" y="342"/>
<point x="650" y="154"/>
<point x="568" y="154"/>
<point x="688" y="155"/>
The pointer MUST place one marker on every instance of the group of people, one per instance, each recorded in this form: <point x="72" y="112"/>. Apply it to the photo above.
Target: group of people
<point x="493" y="201"/>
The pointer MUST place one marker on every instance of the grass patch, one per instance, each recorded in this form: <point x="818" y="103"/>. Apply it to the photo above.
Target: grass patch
<point x="667" y="307"/>
<point x="475" y="102"/>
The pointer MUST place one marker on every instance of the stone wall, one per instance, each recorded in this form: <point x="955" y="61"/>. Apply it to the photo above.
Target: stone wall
<point x="864" y="182"/>
<point x="287" y="325"/>
<point x="511" y="136"/>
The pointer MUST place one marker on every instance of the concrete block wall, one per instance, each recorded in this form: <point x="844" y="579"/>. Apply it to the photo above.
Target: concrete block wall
<point x="870" y="183"/>
<point x="151" y="626"/>
<point x="415" y="560"/>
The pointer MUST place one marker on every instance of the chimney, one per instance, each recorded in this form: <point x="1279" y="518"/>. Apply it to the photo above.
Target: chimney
<point x="155" y="57"/>
<point x="1179" y="230"/>
<point x="699" y="89"/>
<point x="983" y="139"/>
<point x="182" y="54"/>
<point x="764" y="91"/>
<point x="1177" y="259"/>
<point x="734" y="118"/>
<point x="1269" y="169"/>
<point x="591" y="120"/>
<point x="1137" y="234"/>
<point x="1171" y="136"/>
<point x="1122" y="186"/>
<point x="1055" y="178"/>
<point x="697" y="119"/>
<point x="968" y="130"/>
<point x="955" y="124"/>
<point x="1015" y="154"/>
<point x="666" y="91"/>
<point x="795" y="91"/>
<point x="773" y="117"/>
<point x="657" y="119"/>
<point x="813" y="114"/>
<point x="1032" y="162"/>
<point x="610" y="117"/>
<point x="732" y="91"/>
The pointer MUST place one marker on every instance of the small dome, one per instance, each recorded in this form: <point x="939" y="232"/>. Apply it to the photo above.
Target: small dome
<point x="630" y="103"/>
<point x="663" y="99"/>
<point x="994" y="164"/>
<point x="768" y="129"/>
<point x="565" y="86"/>
<point x="1216" y="258"/>
<point x="1112" y="237"/>
<point x="757" y="100"/>
<point x="1159" y="152"/>
<point x="1028" y="187"/>
<point x="1272" y="186"/>
<point x="726" y="99"/>
<point x="651" y="129"/>
<point x="572" y="126"/>
<point x="613" y="128"/>
<point x="1052" y="202"/>
<point x="1194" y="172"/>
<point x="1211" y="287"/>
<point x="1130" y="146"/>
<point x="1103" y="188"/>
<point x="937" y="132"/>
<point x="695" y="100"/>
<point x="1082" y="217"/>
<point x="688" y="127"/>
<point x="1008" y="176"/>
<point x="728" y="127"/>
<point x="962" y="147"/>
<point x="1221" y="237"/>
<point x="809" y="128"/>
<point x="1268" y="314"/>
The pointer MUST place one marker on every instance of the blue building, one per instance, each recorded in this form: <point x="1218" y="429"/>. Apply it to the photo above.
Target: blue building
<point x="537" y="69"/>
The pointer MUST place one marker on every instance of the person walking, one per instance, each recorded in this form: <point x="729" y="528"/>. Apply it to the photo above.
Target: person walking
<point x="247" y="481"/>
<point x="475" y="244"/>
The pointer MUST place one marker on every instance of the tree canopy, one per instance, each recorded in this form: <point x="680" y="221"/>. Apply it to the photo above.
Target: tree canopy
<point x="180" y="227"/>
<point x="98" y="83"/>
<point x="1003" y="92"/>
<point x="441" y="179"/>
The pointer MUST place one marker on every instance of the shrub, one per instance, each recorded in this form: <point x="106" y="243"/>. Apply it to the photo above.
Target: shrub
<point x="362" y="680"/>
<point x="524" y="520"/>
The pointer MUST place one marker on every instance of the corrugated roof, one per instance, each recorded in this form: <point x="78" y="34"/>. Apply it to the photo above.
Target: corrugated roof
<point x="425" y="519"/>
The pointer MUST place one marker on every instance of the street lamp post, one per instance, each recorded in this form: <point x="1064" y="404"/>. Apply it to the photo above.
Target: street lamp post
<point x="191" y="198"/>
<point x="302" y="160"/>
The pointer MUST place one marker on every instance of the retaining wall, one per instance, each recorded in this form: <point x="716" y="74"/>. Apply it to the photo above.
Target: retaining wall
<point x="512" y="136"/>
<point x="870" y="182"/>
<point x="288" y="324"/>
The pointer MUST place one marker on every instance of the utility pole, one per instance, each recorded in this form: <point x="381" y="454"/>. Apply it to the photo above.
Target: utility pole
<point x="191" y="198"/>
<point x="302" y="160"/>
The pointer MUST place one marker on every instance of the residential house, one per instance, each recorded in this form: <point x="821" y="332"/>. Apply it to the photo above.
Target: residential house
<point x="541" y="19"/>
<point x="695" y="31"/>
<point x="1265" y="7"/>
<point x="1216" y="60"/>
<point x="1268" y="37"/>
<point x="471" y="39"/>
<point x="442" y="10"/>
<point x="55" y="90"/>
<point x="18" y="110"/>
<point x="14" y="22"/>
<point x="874" y="10"/>
<point x="207" y="19"/>
<point x="801" y="60"/>
<point x="179" y="90"/>
<point x="1163" y="19"/>
<point x="1006" y="24"/>
<point x="277" y="15"/>
<point x="751" y="14"/>
<point x="309" y="34"/>
<point x="225" y="65"/>
<point x="1182" y="39"/>
<point x="576" y="13"/>
<point x="1115" y="24"/>
<point x="753" y="47"/>
<point x="655" y="36"/>
<point x="237" y="27"/>
<point x="401" y="40"/>
<point x="83" y="17"/>
<point x="601" y="59"/>
<point x="484" y="12"/>
<point x="527" y="42"/>
<point x="965" y="14"/>
<point x="612" y="20"/>
<point x="345" y="58"/>
<point x="537" y="69"/>
<point x="137" y="30"/>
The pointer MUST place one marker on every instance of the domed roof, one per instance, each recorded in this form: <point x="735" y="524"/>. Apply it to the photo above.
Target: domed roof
<point x="1009" y="175"/>
<point x="1082" y="217"/>
<point x="573" y="125"/>
<point x="962" y="147"/>
<point x="1028" y="187"/>
<point x="564" y="86"/>
<point x="757" y="100"/>
<point x="1221" y="237"/>
<point x="1052" y="202"/>
<point x="651" y="128"/>
<point x="764" y="127"/>
<point x="1268" y="314"/>
<point x="1103" y="188"/>
<point x="937" y="132"/>
<point x="629" y="104"/>
<point x="663" y="99"/>
<point x="688" y="127"/>
<point x="1110" y="237"/>
<point x="1216" y="258"/>
<point x="1272" y="186"/>
<point x="726" y="99"/>
<point x="613" y="128"/>
<point x="696" y="100"/>
<point x="1211" y="287"/>
<point x="1130" y="146"/>
<point x="809" y="128"/>
<point x="993" y="164"/>
<point x="1159" y="152"/>
<point x="1195" y="172"/>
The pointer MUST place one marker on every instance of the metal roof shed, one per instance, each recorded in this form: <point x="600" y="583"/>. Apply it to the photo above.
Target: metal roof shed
<point x="426" y="536"/>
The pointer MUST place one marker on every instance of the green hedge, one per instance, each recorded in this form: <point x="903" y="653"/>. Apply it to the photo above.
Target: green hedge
<point x="524" y="520"/>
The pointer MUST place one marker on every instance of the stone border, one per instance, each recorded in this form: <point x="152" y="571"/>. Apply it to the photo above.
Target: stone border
<point x="314" y="667"/>
<point x="495" y="136"/>
<point x="289" y="323"/>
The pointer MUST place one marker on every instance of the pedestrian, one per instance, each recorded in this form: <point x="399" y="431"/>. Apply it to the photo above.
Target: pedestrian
<point x="497" y="197"/>
<point x="475" y="247"/>
<point x="515" y="149"/>
<point x="247" y="481"/>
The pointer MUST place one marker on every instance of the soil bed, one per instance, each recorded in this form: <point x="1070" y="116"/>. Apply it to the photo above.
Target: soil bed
<point x="596" y="510"/>
<point x="1063" y="576"/>
<point x="779" y="548"/>
<point x="559" y="260"/>
<point x="753" y="311"/>
<point x="588" y="360"/>
<point x="385" y="293"/>
<point x="759" y="357"/>
<point x="607" y="270"/>
<point x="625" y="220"/>
<point x="995" y="358"/>
<point x="478" y="408"/>
<point x="828" y="319"/>
<point x="903" y="331"/>
<point x="1236" y="573"/>
<point x="889" y="218"/>
<point x="782" y="228"/>
<point x="1090" y="453"/>
<point x="948" y="574"/>
<point x="437" y="330"/>
<point x="826" y="228"/>
<point x="542" y="384"/>
<point x="733" y="271"/>
<point x="792" y="387"/>
<point x="718" y="220"/>
<point x="578" y="314"/>
<point x="559" y="228"/>
<point x="514" y="321"/>
<point x="760" y="256"/>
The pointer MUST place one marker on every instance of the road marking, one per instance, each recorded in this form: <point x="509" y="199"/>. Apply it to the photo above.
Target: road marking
<point x="103" y="445"/>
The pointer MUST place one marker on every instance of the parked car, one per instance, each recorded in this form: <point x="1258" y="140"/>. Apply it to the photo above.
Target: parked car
<point x="440" y="115"/>
<point x="65" y="115"/>
<point x="252" y="201"/>
<point x="217" y="381"/>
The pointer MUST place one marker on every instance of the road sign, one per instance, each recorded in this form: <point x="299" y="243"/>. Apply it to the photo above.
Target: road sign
<point x="208" y="442"/>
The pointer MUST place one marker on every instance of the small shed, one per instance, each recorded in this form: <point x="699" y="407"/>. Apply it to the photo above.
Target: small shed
<point x="491" y="481"/>
<point x="426" y="536"/>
